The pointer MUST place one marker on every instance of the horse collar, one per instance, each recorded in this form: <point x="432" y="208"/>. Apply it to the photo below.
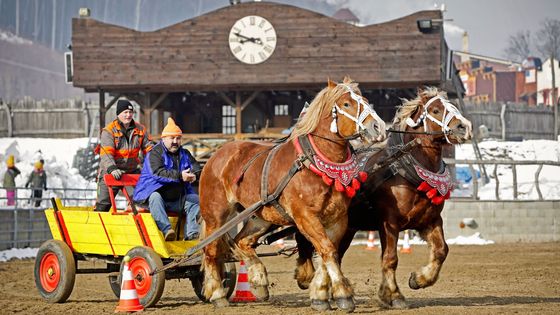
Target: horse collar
<point x="345" y="176"/>
<point x="437" y="186"/>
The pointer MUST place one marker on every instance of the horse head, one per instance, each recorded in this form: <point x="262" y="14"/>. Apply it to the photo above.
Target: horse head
<point x="435" y="114"/>
<point x="352" y="115"/>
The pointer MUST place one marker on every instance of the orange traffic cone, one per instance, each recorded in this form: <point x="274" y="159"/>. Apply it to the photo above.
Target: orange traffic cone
<point x="406" y="249"/>
<point x="371" y="237"/>
<point x="128" y="301"/>
<point x="243" y="291"/>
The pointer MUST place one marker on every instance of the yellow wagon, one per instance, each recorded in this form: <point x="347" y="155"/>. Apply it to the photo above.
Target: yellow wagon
<point x="81" y="234"/>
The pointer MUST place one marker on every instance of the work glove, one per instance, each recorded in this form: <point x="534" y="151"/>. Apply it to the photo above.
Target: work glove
<point x="117" y="174"/>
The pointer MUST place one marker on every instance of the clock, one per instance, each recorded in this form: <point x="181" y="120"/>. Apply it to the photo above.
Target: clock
<point x="252" y="39"/>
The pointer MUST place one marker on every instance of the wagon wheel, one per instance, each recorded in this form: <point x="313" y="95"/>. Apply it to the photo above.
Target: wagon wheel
<point x="229" y="277"/>
<point x="115" y="280"/>
<point x="55" y="271"/>
<point x="142" y="261"/>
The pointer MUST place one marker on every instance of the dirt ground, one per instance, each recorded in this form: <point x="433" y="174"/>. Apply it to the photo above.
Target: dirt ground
<point x="492" y="279"/>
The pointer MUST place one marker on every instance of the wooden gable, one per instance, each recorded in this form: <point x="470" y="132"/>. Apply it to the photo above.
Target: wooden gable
<point x="194" y="55"/>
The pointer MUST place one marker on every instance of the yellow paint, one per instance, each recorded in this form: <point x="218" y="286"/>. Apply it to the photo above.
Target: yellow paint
<point x="87" y="235"/>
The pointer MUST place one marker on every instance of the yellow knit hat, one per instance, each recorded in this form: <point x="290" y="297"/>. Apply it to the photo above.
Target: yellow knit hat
<point x="10" y="162"/>
<point x="38" y="165"/>
<point x="171" y="129"/>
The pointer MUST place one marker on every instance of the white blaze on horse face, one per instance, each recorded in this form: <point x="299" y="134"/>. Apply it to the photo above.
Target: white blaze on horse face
<point x="450" y="112"/>
<point x="363" y="111"/>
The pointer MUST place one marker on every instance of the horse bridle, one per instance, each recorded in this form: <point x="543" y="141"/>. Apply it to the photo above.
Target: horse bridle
<point x="360" y="117"/>
<point x="449" y="112"/>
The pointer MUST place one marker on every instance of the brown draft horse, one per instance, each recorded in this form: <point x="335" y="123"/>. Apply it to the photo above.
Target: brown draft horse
<point x="392" y="199"/>
<point x="319" y="211"/>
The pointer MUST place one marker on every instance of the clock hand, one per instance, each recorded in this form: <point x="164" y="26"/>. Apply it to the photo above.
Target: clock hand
<point x="245" y="39"/>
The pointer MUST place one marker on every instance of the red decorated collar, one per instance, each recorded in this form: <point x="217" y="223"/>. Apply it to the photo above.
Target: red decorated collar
<point x="437" y="186"/>
<point x="346" y="176"/>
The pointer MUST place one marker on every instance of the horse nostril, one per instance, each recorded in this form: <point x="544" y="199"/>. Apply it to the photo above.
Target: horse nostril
<point x="461" y="127"/>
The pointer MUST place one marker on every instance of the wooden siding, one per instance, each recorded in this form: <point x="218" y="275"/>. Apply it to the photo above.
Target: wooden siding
<point x="194" y="54"/>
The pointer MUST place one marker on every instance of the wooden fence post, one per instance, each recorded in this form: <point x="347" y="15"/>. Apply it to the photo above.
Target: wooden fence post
<point x="503" y="121"/>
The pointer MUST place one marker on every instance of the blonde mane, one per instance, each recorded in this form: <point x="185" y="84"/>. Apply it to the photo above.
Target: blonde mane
<point x="410" y="106"/>
<point x="321" y="107"/>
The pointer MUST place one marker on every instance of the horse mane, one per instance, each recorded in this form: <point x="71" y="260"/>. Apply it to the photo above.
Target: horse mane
<point x="321" y="107"/>
<point x="409" y="107"/>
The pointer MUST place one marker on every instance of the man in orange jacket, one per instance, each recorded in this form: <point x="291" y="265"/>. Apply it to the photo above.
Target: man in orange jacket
<point x="121" y="142"/>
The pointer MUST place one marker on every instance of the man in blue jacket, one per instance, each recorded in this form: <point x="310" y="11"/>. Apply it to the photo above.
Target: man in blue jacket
<point x="165" y="183"/>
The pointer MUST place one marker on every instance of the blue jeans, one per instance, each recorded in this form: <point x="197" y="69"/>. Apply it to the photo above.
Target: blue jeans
<point x="190" y="207"/>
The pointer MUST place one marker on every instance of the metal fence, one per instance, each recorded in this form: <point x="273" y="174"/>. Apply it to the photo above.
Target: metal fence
<point x="509" y="121"/>
<point x="24" y="225"/>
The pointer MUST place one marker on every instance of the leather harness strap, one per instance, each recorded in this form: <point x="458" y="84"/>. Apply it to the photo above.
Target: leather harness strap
<point x="273" y="198"/>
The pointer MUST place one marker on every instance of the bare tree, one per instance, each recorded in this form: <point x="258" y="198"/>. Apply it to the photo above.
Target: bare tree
<point x="549" y="46"/>
<point x="519" y="45"/>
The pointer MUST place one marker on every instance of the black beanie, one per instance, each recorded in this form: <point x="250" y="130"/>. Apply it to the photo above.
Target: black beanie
<point x="123" y="105"/>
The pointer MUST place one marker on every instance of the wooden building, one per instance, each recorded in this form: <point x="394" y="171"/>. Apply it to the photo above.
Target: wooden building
<point x="251" y="65"/>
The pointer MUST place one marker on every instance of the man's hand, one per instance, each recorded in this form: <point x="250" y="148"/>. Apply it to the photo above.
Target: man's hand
<point x="188" y="176"/>
<point x="117" y="174"/>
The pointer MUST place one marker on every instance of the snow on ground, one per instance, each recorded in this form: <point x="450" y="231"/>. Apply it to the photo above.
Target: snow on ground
<point x="541" y="150"/>
<point x="58" y="155"/>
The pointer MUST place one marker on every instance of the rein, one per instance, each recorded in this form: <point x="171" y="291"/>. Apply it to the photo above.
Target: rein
<point x="422" y="132"/>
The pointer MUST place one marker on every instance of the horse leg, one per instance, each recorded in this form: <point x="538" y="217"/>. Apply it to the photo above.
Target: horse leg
<point x="389" y="293"/>
<point x="428" y="275"/>
<point x="214" y="211"/>
<point x="345" y="243"/>
<point x="304" y="265"/>
<point x="342" y="291"/>
<point x="245" y="250"/>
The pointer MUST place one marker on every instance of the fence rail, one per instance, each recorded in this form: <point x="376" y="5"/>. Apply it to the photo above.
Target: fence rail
<point x="514" y="164"/>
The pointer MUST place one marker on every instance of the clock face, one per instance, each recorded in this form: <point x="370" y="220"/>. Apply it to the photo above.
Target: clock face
<point x="252" y="39"/>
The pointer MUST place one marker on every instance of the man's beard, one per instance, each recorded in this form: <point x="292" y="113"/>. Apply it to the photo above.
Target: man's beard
<point x="174" y="148"/>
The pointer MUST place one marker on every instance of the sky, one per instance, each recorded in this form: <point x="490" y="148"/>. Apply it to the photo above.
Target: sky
<point x="489" y="23"/>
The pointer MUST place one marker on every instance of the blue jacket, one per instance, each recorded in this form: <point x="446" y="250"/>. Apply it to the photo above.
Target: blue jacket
<point x="158" y="171"/>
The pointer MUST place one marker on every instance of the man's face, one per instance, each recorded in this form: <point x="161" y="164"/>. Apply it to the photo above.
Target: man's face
<point x="172" y="143"/>
<point x="126" y="116"/>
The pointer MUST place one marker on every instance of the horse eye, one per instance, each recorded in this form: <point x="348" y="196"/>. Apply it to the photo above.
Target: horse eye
<point x="346" y="105"/>
<point x="436" y="111"/>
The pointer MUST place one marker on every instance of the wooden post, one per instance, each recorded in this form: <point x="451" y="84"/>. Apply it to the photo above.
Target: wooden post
<point x="102" y="109"/>
<point x="238" y="111"/>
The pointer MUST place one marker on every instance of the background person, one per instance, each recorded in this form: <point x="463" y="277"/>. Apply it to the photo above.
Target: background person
<point x="38" y="181"/>
<point x="10" y="180"/>
<point x="165" y="183"/>
<point x="121" y="142"/>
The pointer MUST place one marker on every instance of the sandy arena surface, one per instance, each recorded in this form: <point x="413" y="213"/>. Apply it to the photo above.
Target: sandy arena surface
<point x="492" y="279"/>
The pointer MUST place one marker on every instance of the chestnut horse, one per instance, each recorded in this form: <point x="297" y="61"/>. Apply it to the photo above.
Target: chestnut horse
<point x="408" y="194"/>
<point x="236" y="176"/>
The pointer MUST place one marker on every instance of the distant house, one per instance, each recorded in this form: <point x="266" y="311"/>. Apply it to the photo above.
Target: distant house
<point x="544" y="83"/>
<point x="487" y="79"/>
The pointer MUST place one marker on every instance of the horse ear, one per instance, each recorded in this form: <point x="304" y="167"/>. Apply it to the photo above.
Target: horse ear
<point x="330" y="83"/>
<point x="347" y="80"/>
<point x="423" y="95"/>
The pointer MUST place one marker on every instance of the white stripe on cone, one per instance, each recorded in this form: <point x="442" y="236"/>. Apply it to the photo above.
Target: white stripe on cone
<point x="129" y="294"/>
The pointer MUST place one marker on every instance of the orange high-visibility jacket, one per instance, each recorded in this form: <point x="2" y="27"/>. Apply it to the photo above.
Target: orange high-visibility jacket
<point x="118" y="151"/>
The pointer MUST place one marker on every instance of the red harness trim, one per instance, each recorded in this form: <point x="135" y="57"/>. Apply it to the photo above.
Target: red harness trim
<point x="344" y="175"/>
<point x="437" y="187"/>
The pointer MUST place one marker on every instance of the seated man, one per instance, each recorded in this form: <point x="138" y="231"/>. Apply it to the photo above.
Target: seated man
<point x="165" y="183"/>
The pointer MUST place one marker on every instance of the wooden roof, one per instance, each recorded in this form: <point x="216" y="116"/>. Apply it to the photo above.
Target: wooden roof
<point x="194" y="55"/>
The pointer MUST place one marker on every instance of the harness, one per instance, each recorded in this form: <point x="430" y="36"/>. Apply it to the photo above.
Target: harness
<point x="437" y="186"/>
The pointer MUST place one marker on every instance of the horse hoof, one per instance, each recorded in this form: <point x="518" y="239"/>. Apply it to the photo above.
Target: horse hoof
<point x="346" y="304"/>
<point x="412" y="282"/>
<point x="320" y="305"/>
<point x="221" y="302"/>
<point x="399" y="304"/>
<point x="261" y="292"/>
<point x="303" y="285"/>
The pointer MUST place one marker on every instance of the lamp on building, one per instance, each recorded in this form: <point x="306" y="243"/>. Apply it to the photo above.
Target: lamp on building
<point x="84" y="12"/>
<point x="424" y="26"/>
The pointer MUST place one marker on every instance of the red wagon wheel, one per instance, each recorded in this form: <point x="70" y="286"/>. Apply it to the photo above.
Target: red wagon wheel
<point x="142" y="261"/>
<point x="55" y="271"/>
